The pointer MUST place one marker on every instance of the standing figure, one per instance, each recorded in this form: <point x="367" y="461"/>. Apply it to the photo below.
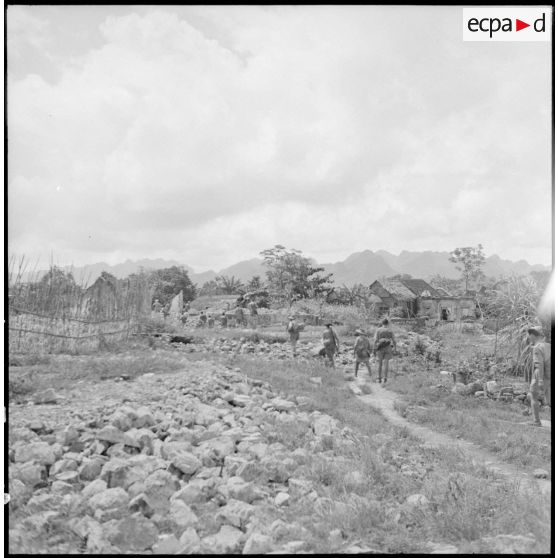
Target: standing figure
<point x="293" y="329"/>
<point x="384" y="345"/>
<point x="253" y="310"/>
<point x="539" y="390"/>
<point x="157" y="306"/>
<point x="166" y="310"/>
<point x="331" y="344"/>
<point x="203" y="319"/>
<point x="223" y="320"/>
<point x="362" y="351"/>
<point x="239" y="315"/>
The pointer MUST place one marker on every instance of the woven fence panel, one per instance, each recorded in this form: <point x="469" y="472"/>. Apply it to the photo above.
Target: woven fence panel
<point x="30" y="332"/>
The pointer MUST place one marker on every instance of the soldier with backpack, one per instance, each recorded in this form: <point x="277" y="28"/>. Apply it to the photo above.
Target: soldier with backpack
<point x="331" y="344"/>
<point x="362" y="351"/>
<point x="384" y="345"/>
<point x="539" y="390"/>
<point x="293" y="329"/>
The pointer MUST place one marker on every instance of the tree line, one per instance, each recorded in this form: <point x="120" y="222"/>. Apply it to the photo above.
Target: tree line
<point x="292" y="276"/>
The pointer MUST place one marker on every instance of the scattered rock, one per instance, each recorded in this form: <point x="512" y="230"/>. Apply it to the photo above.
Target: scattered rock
<point x="182" y="515"/>
<point x="167" y="544"/>
<point x="93" y="488"/>
<point x="417" y="500"/>
<point x="30" y="474"/>
<point x="111" y="503"/>
<point x="258" y="544"/>
<point x="441" y="548"/>
<point x="235" y="513"/>
<point x="335" y="538"/>
<point x="113" y="435"/>
<point x="37" y="452"/>
<point x="492" y="387"/>
<point x="132" y="533"/>
<point x="226" y="541"/>
<point x="190" y="542"/>
<point x="324" y="425"/>
<point x="354" y="480"/>
<point x="282" y="499"/>
<point x="504" y="544"/>
<point x="280" y="404"/>
<point x="541" y="474"/>
<point x="239" y="489"/>
<point x="48" y="396"/>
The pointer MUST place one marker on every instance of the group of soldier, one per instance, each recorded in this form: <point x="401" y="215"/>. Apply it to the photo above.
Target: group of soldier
<point x="383" y="346"/>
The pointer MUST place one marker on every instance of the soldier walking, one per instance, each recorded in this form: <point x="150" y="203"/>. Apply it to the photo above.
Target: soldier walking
<point x="362" y="351"/>
<point x="384" y="345"/>
<point x="539" y="390"/>
<point x="331" y="344"/>
<point x="293" y="329"/>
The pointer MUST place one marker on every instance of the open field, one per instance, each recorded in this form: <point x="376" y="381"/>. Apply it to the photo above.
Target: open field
<point x="367" y="488"/>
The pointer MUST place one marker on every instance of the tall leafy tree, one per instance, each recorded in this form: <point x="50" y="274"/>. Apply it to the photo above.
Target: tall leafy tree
<point x="170" y="281"/>
<point x="354" y="295"/>
<point x="210" y="288"/>
<point x="291" y="275"/>
<point x="255" y="284"/>
<point x="469" y="260"/>
<point x="450" y="285"/>
<point x="56" y="279"/>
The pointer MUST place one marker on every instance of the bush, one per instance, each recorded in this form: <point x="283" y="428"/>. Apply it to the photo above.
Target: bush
<point x="19" y="388"/>
<point x="28" y="359"/>
<point x="156" y="325"/>
<point x="420" y="346"/>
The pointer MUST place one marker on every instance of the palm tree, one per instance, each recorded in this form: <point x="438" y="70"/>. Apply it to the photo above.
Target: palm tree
<point x="229" y="285"/>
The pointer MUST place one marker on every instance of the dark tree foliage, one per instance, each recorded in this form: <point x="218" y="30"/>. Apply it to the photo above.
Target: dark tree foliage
<point x="291" y="276"/>
<point x="169" y="282"/>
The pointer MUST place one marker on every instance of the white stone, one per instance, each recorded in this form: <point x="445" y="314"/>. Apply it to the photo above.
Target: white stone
<point x="258" y="543"/>
<point x="282" y="499"/>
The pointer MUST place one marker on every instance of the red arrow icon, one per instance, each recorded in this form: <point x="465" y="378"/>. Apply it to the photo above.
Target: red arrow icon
<point x="519" y="25"/>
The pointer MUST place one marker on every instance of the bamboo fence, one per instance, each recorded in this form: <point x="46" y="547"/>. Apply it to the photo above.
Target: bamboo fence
<point x="54" y="314"/>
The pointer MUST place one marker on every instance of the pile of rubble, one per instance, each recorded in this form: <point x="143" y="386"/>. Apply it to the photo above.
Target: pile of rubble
<point x="492" y="389"/>
<point x="306" y="350"/>
<point x="197" y="469"/>
<point x="410" y="343"/>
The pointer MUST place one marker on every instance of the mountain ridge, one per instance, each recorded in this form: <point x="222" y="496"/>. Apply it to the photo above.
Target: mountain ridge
<point x="359" y="267"/>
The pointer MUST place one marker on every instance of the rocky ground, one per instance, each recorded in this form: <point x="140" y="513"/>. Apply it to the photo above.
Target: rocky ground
<point x="481" y="383"/>
<point x="205" y="459"/>
<point x="176" y="463"/>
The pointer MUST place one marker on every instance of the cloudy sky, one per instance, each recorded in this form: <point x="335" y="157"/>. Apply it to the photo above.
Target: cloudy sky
<point x="206" y="134"/>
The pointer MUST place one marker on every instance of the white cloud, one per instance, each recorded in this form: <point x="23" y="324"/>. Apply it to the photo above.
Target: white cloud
<point x="207" y="133"/>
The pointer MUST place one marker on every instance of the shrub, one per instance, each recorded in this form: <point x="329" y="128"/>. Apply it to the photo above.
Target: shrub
<point x="153" y="325"/>
<point x="19" y="388"/>
<point x="420" y="346"/>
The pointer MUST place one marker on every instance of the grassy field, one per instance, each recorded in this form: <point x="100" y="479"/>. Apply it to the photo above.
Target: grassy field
<point x="497" y="426"/>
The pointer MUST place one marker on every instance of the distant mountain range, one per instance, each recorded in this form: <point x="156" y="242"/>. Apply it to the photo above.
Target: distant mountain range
<point x="360" y="267"/>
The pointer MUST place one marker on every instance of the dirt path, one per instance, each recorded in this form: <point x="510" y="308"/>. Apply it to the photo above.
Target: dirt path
<point x="383" y="400"/>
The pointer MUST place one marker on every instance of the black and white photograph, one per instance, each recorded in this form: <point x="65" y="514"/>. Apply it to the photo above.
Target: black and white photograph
<point x="279" y="279"/>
